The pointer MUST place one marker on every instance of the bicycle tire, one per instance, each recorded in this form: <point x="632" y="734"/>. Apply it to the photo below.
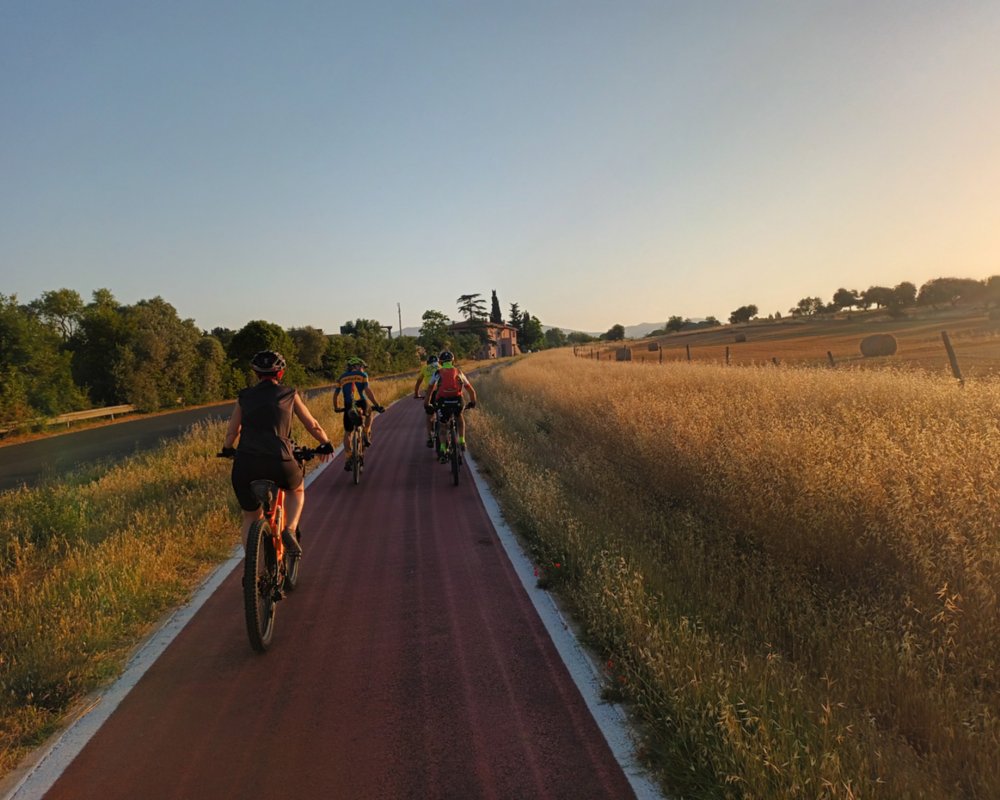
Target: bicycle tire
<point x="359" y="454"/>
<point x="292" y="566"/>
<point x="454" y="454"/>
<point x="260" y="577"/>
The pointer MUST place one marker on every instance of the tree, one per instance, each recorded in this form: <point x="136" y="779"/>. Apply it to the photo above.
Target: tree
<point x="259" y="335"/>
<point x="844" y="298"/>
<point x="743" y="314"/>
<point x="472" y="306"/>
<point x="951" y="291"/>
<point x="61" y="309"/>
<point x="878" y="296"/>
<point x="904" y="294"/>
<point x="712" y="322"/>
<point x="96" y="348"/>
<point x="157" y="363"/>
<point x="808" y="307"/>
<point x="496" y="315"/>
<point x="554" y="337"/>
<point x="35" y="374"/>
<point x="614" y="334"/>
<point x="434" y="335"/>
<point x="675" y="324"/>
<point x="216" y="379"/>
<point x="579" y="337"/>
<point x="310" y="345"/>
<point x="531" y="337"/>
<point x="992" y="292"/>
<point x="515" y="316"/>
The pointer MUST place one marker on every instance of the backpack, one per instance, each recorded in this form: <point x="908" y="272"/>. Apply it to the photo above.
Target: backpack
<point x="449" y="383"/>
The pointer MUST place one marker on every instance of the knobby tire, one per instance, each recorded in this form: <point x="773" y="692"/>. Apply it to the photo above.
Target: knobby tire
<point x="260" y="576"/>
<point x="455" y="454"/>
<point x="358" y="449"/>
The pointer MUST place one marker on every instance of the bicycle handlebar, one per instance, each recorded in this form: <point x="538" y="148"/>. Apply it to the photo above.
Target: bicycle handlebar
<point x="300" y="453"/>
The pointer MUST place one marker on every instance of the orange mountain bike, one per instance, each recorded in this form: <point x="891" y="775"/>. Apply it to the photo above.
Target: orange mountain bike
<point x="269" y="571"/>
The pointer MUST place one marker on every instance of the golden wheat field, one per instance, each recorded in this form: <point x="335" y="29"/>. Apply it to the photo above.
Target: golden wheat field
<point x="791" y="573"/>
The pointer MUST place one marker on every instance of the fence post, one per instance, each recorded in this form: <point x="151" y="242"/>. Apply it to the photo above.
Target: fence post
<point x="774" y="360"/>
<point x="688" y="348"/>
<point x="727" y="355"/>
<point x="829" y="355"/>
<point x="661" y="353"/>
<point x="955" y="370"/>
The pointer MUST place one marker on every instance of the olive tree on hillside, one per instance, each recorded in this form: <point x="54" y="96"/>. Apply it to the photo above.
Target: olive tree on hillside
<point x="743" y="314"/>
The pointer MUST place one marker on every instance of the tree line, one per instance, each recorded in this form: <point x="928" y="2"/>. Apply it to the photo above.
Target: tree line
<point x="935" y="293"/>
<point x="59" y="353"/>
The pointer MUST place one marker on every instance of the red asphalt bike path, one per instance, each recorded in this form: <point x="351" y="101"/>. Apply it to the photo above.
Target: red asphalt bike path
<point x="409" y="663"/>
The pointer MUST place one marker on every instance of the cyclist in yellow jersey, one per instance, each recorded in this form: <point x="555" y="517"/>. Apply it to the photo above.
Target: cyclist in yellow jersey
<point x="426" y="375"/>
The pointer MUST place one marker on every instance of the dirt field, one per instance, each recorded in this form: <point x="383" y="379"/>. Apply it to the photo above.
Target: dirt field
<point x="974" y="336"/>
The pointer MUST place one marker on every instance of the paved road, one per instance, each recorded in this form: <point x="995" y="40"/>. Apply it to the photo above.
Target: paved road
<point x="29" y="462"/>
<point x="410" y="663"/>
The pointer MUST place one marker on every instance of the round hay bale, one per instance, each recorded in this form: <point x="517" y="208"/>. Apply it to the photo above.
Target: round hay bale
<point x="741" y="337"/>
<point x="879" y="344"/>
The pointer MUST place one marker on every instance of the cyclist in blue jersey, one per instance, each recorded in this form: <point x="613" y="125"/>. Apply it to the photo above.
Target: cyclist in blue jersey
<point x="352" y="387"/>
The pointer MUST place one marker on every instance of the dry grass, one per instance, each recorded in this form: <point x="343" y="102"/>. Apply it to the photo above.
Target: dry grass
<point x="793" y="572"/>
<point x="88" y="565"/>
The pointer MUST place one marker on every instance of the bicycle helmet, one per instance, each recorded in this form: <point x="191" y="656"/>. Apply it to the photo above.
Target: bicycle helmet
<point x="446" y="356"/>
<point x="267" y="362"/>
<point x="354" y="361"/>
<point x="432" y="359"/>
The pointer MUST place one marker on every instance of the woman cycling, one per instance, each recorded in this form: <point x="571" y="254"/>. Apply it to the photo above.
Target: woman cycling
<point x="262" y="420"/>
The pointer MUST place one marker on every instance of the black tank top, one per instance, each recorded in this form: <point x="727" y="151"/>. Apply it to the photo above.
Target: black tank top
<point x="266" y="411"/>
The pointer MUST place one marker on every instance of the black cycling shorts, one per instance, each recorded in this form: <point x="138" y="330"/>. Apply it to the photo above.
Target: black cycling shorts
<point x="287" y="475"/>
<point x="354" y="417"/>
<point x="453" y="405"/>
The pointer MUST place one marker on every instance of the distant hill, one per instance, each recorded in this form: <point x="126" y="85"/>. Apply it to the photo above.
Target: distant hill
<point x="631" y="331"/>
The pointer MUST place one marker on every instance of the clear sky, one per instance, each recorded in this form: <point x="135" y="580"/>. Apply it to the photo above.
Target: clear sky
<point x="605" y="162"/>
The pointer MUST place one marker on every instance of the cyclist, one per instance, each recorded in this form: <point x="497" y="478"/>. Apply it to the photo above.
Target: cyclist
<point x="445" y="395"/>
<point x="262" y="421"/>
<point x="353" y="387"/>
<point x="427" y="373"/>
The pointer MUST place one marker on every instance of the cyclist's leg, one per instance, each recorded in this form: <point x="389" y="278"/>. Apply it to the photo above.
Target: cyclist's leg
<point x="347" y="433"/>
<point x="244" y="471"/>
<point x="461" y="423"/>
<point x="289" y="476"/>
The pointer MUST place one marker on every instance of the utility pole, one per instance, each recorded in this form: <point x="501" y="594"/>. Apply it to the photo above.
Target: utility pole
<point x="399" y="311"/>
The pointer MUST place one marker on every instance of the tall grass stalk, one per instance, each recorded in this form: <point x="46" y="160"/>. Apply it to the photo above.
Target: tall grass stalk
<point x="90" y="563"/>
<point x="793" y="573"/>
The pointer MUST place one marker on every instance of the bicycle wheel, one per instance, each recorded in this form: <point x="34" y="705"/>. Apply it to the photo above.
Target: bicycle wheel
<point x="359" y="455"/>
<point x="454" y="454"/>
<point x="292" y="566"/>
<point x="260" y="585"/>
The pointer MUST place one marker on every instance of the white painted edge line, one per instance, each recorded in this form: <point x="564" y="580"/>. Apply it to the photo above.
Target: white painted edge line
<point x="610" y="717"/>
<point x="56" y="756"/>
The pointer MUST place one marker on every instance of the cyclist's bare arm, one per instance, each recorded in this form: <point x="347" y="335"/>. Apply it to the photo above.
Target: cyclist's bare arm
<point x="416" y="386"/>
<point x="310" y="423"/>
<point x="233" y="431"/>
